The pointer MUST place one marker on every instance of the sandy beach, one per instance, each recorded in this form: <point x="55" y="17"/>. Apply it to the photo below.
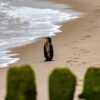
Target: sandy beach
<point x="76" y="47"/>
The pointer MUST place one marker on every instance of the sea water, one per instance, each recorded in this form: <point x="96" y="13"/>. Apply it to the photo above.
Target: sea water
<point x="22" y="23"/>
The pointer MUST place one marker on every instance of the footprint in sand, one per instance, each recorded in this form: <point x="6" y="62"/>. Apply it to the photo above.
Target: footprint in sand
<point x="97" y="11"/>
<point x="78" y="51"/>
<point x="71" y="61"/>
<point x="80" y="82"/>
<point x="86" y="37"/>
<point x="68" y="61"/>
<point x="84" y="63"/>
<point x="84" y="51"/>
<point x="95" y="27"/>
<point x="98" y="15"/>
<point x="91" y="21"/>
<point x="91" y="29"/>
<point x="74" y="48"/>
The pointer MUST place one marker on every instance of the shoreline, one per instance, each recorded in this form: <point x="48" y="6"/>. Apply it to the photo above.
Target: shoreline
<point x="76" y="47"/>
<point x="52" y="29"/>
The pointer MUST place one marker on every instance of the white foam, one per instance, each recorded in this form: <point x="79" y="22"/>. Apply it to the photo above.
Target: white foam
<point x="10" y="61"/>
<point x="23" y="24"/>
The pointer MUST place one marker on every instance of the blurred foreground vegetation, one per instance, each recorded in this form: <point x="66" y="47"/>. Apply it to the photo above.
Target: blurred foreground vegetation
<point x="21" y="84"/>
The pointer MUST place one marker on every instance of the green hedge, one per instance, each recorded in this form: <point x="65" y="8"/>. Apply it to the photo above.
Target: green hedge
<point x="91" y="89"/>
<point x="62" y="84"/>
<point x="21" y="83"/>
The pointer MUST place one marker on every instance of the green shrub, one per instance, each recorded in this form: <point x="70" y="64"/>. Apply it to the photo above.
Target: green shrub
<point x="21" y="83"/>
<point x="61" y="84"/>
<point x="91" y="89"/>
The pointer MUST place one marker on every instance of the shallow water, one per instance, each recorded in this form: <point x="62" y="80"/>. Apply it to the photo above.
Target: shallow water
<point x="22" y="21"/>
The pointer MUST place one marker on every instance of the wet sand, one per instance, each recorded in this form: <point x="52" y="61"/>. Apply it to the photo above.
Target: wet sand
<point x="76" y="47"/>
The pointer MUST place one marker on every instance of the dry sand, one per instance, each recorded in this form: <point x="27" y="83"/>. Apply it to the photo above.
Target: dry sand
<point x="77" y="47"/>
